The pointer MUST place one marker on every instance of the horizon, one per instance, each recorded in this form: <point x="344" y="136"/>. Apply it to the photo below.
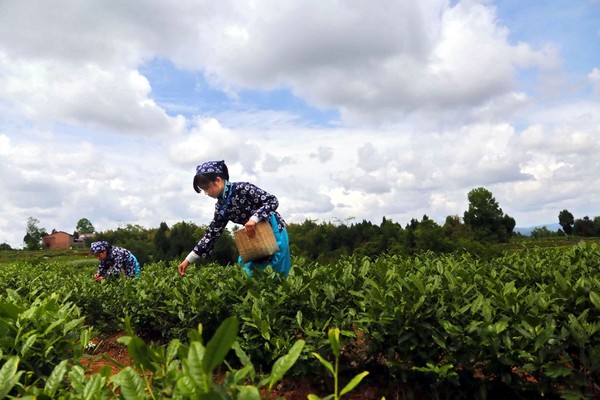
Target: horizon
<point x="519" y="229"/>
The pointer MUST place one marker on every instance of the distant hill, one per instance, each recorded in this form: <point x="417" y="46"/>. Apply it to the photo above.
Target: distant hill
<point x="527" y="230"/>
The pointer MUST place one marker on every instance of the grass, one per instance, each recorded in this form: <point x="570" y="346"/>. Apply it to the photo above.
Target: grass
<point x="553" y="241"/>
<point x="77" y="256"/>
<point x="81" y="257"/>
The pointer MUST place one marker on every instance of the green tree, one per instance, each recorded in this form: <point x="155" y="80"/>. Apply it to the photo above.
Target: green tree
<point x="85" y="226"/>
<point x="596" y="226"/>
<point x="455" y="229"/>
<point x="430" y="236"/>
<point x="485" y="217"/>
<point x="509" y="224"/>
<point x="541" y="232"/>
<point x="392" y="237"/>
<point x="134" y="238"/>
<point x="183" y="238"/>
<point x="5" y="246"/>
<point x="583" y="227"/>
<point x="410" y="235"/>
<point x="566" y="221"/>
<point x="33" y="237"/>
<point x="161" y="242"/>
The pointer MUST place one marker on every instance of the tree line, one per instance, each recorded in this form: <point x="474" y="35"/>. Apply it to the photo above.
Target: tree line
<point x="482" y="225"/>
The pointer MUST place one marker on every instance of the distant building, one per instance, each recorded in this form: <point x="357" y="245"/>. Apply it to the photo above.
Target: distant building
<point x="57" y="240"/>
<point x="80" y="240"/>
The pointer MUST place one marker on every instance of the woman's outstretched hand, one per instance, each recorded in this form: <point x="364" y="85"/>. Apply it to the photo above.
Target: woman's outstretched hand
<point x="183" y="266"/>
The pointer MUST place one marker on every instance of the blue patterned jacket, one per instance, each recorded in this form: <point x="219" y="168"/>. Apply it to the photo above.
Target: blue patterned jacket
<point x="240" y="201"/>
<point x="117" y="259"/>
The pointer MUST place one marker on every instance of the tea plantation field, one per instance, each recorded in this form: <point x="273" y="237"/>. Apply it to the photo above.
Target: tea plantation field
<point x="525" y="325"/>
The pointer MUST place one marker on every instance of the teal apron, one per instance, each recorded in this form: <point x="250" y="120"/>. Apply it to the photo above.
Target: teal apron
<point x="280" y="261"/>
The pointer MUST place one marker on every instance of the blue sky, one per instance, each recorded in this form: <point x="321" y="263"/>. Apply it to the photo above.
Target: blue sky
<point x="344" y="110"/>
<point x="571" y="26"/>
<point x="188" y="93"/>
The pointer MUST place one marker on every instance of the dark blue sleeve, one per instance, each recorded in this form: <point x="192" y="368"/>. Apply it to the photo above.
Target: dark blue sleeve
<point x="205" y="246"/>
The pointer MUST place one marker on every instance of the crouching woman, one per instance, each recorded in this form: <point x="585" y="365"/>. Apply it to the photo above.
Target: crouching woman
<point x="114" y="261"/>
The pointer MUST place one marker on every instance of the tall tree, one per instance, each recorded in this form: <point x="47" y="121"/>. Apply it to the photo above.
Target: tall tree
<point x="33" y="237"/>
<point x="596" y="226"/>
<point x="509" y="224"/>
<point x="485" y="217"/>
<point x="161" y="242"/>
<point x="430" y="236"/>
<point x="566" y="221"/>
<point x="84" y="226"/>
<point x="182" y="239"/>
<point x="455" y="229"/>
<point x="583" y="227"/>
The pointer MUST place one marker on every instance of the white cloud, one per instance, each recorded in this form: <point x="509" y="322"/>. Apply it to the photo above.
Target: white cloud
<point x="434" y="98"/>
<point x="5" y="148"/>
<point x="272" y="163"/>
<point x="394" y="58"/>
<point x="209" y="140"/>
<point x="90" y="96"/>
<point x="323" y="154"/>
<point x="372" y="63"/>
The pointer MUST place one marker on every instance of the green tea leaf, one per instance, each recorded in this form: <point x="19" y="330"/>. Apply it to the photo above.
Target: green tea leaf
<point x="283" y="364"/>
<point x="54" y="325"/>
<point x="8" y="376"/>
<point x="186" y="388"/>
<point x="131" y="384"/>
<point x="55" y="379"/>
<point x="212" y="395"/>
<point x="352" y="384"/>
<point x="560" y="280"/>
<point x="172" y="349"/>
<point x="248" y="393"/>
<point x="9" y="310"/>
<point x="557" y="371"/>
<point x="595" y="299"/>
<point x="264" y="329"/>
<point x="220" y="344"/>
<point x="85" y="336"/>
<point x="77" y="378"/>
<point x="28" y="343"/>
<point x="334" y="340"/>
<point x="196" y="335"/>
<point x="241" y="354"/>
<point x="325" y="363"/>
<point x="194" y="364"/>
<point x="73" y="325"/>
<point x="438" y="340"/>
<point x="487" y="312"/>
<point x="94" y="386"/>
<point x="141" y="354"/>
<point x="500" y="326"/>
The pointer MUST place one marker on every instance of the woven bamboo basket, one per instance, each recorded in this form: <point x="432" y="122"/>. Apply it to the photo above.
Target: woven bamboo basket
<point x="263" y="244"/>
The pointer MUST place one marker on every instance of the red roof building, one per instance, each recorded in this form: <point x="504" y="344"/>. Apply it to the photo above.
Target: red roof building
<point x="57" y="240"/>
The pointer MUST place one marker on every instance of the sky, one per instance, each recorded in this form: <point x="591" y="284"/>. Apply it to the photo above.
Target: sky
<point x="346" y="110"/>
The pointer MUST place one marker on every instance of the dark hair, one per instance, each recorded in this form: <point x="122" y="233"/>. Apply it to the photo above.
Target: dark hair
<point x="201" y="181"/>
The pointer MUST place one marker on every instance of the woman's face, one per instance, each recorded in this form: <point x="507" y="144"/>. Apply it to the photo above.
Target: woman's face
<point x="215" y="189"/>
<point x="101" y="256"/>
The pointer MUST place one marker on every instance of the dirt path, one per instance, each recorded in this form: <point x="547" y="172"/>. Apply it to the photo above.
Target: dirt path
<point x="289" y="388"/>
<point x="109" y="347"/>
